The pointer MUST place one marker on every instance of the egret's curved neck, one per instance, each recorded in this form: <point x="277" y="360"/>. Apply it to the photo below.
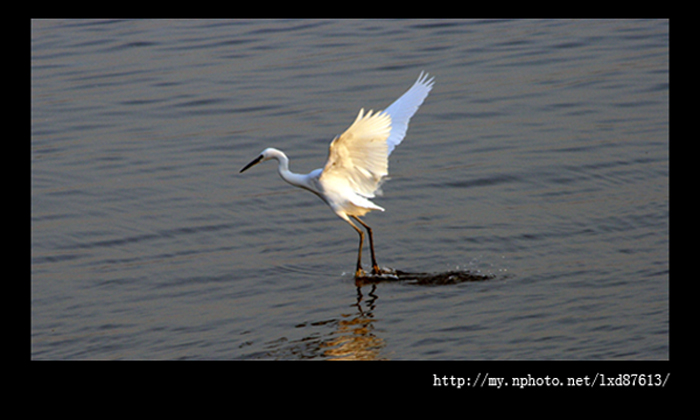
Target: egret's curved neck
<point x="282" y="162"/>
<point x="283" y="169"/>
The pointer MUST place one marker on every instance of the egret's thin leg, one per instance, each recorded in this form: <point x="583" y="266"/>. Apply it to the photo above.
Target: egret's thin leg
<point x="358" y="270"/>
<point x="375" y="267"/>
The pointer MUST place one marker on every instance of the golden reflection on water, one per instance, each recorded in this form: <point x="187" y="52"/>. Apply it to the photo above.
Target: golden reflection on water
<point x="355" y="337"/>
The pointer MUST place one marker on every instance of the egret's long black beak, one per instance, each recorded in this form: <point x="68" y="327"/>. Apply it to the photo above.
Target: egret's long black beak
<point x="253" y="163"/>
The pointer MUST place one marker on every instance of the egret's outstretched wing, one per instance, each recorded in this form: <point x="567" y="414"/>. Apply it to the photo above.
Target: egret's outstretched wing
<point x="358" y="158"/>
<point x="403" y="109"/>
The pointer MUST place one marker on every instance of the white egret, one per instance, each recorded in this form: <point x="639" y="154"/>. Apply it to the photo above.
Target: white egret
<point x="358" y="162"/>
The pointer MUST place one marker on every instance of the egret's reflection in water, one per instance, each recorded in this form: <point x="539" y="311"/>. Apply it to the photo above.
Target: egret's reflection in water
<point x="355" y="338"/>
<point x="353" y="335"/>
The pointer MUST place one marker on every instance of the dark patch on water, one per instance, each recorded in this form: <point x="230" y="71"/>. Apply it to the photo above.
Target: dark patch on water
<point x="423" y="279"/>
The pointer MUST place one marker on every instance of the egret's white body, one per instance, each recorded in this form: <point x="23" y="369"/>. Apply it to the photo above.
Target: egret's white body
<point x="358" y="161"/>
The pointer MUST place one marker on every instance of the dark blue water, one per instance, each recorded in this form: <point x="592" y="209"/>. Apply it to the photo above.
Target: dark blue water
<point x="540" y="158"/>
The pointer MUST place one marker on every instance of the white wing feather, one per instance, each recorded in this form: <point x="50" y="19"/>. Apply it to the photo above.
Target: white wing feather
<point x="403" y="109"/>
<point x="358" y="157"/>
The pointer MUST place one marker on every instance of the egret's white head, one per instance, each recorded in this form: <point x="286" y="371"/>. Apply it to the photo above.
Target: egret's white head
<point x="267" y="154"/>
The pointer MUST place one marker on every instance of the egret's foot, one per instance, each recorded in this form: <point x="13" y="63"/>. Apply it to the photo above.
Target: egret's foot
<point x="376" y="272"/>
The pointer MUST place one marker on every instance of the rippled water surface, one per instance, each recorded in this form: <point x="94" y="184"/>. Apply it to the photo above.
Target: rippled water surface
<point x="540" y="159"/>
